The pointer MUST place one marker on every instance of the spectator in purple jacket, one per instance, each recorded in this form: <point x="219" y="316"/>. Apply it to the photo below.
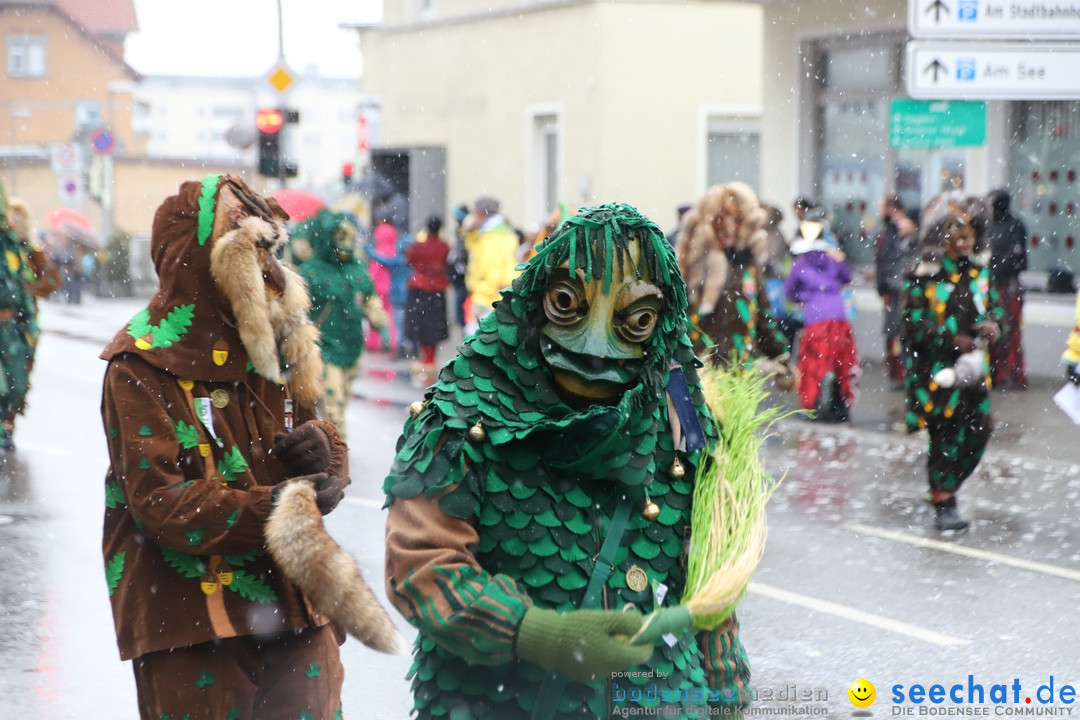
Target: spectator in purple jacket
<point x="828" y="361"/>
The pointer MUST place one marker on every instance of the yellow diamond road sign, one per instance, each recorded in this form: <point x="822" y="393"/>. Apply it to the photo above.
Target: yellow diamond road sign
<point x="281" y="78"/>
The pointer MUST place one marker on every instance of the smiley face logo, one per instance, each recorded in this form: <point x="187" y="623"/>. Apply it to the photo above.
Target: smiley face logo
<point x="862" y="693"/>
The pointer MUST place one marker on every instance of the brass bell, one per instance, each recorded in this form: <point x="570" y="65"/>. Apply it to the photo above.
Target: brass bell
<point x="676" y="470"/>
<point x="477" y="433"/>
<point x="417" y="407"/>
<point x="651" y="511"/>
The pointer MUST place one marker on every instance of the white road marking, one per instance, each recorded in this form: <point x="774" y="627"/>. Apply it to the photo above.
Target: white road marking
<point x="363" y="502"/>
<point x="850" y="613"/>
<point x="987" y="555"/>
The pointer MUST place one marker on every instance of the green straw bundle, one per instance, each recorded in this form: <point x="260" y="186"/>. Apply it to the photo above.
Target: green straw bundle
<point x="730" y="494"/>
<point x="728" y="517"/>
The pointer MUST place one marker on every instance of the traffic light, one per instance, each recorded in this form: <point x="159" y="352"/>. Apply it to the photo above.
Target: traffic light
<point x="269" y="122"/>
<point x="347" y="173"/>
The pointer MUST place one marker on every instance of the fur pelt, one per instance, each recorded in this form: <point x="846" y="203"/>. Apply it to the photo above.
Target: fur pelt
<point x="274" y="326"/>
<point x="325" y="572"/>
<point x="19" y="219"/>
<point x="702" y="258"/>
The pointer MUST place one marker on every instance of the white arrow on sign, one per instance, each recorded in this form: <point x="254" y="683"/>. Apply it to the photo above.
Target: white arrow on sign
<point x="1014" y="19"/>
<point x="1001" y="71"/>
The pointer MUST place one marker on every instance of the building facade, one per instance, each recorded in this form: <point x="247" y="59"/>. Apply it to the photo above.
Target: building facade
<point x="579" y="101"/>
<point x="832" y="70"/>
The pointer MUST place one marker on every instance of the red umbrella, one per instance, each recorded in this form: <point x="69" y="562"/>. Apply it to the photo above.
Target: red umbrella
<point x="75" y="234"/>
<point x="300" y="204"/>
<point x="67" y="216"/>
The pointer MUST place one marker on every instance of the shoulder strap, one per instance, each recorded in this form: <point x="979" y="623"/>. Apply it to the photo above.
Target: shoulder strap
<point x="551" y="690"/>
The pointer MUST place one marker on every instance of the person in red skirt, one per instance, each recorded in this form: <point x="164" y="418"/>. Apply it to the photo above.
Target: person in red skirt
<point x="828" y="360"/>
<point x="425" y="309"/>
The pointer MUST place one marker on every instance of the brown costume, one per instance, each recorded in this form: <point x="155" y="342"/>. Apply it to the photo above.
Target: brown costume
<point x="721" y="251"/>
<point x="197" y="386"/>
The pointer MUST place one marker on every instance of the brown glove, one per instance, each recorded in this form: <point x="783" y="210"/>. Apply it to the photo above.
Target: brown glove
<point x="963" y="343"/>
<point x="329" y="490"/>
<point x="304" y="451"/>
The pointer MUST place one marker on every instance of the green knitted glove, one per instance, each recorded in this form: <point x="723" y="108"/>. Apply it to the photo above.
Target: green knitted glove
<point x="584" y="645"/>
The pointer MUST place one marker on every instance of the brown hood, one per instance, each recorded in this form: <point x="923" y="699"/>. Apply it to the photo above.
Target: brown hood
<point x="214" y="317"/>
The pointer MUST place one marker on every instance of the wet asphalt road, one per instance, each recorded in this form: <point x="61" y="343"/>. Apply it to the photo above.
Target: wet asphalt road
<point x="854" y="583"/>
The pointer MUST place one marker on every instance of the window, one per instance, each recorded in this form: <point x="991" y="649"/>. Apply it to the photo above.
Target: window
<point x="544" y="193"/>
<point x="26" y="55"/>
<point x="88" y="114"/>
<point x="852" y="83"/>
<point x="733" y="151"/>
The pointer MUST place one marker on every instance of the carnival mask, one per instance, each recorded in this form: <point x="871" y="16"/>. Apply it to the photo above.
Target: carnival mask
<point x="594" y="340"/>
<point x="959" y="233"/>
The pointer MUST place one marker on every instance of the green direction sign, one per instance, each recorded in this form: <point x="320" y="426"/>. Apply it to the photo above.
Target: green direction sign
<point x="936" y="123"/>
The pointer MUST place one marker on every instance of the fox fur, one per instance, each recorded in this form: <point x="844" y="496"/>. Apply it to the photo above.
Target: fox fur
<point x="325" y="572"/>
<point x="274" y="328"/>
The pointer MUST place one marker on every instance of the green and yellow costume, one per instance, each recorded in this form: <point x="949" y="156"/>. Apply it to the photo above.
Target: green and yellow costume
<point x="18" y="323"/>
<point x="505" y="483"/>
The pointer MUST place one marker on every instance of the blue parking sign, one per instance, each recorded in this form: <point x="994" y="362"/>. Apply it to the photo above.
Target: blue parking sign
<point x="965" y="69"/>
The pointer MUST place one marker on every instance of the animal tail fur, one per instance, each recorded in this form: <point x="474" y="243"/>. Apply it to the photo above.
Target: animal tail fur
<point x="325" y="572"/>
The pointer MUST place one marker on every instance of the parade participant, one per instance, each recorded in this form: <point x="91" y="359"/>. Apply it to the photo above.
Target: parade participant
<point x="721" y="248"/>
<point x="1008" y="239"/>
<point x="894" y="250"/>
<point x="828" y="358"/>
<point x="342" y="297"/>
<point x="40" y="278"/>
<point x="541" y="496"/>
<point x="492" y="245"/>
<point x="947" y="310"/>
<point x="201" y="390"/>
<point x="385" y="260"/>
<point x="425" y="311"/>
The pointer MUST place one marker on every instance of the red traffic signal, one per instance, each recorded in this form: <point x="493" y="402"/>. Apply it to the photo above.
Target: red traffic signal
<point x="269" y="120"/>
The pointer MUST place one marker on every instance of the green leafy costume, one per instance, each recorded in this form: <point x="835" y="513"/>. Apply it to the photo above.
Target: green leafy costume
<point x="18" y="322"/>
<point x="940" y="301"/>
<point x="338" y="283"/>
<point x="502" y="493"/>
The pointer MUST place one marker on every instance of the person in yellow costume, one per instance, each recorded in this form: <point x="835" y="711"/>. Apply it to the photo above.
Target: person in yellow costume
<point x="492" y="244"/>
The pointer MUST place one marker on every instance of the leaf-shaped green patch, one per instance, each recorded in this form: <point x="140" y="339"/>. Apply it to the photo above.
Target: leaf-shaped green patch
<point x="114" y="496"/>
<point x="232" y="464"/>
<point x="195" y="537"/>
<point x="252" y="588"/>
<point x="140" y="324"/>
<point x="243" y="559"/>
<point x="187" y="435"/>
<point x="174" y="326"/>
<point x="190" y="566"/>
<point x="113" y="571"/>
